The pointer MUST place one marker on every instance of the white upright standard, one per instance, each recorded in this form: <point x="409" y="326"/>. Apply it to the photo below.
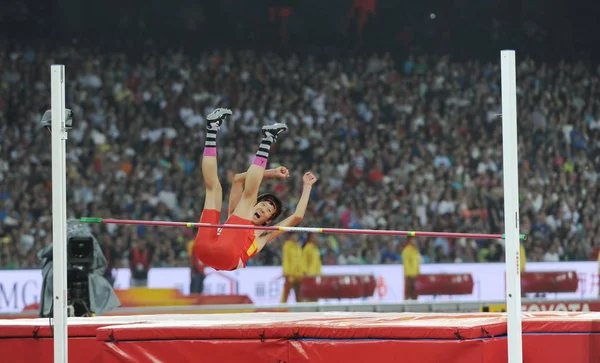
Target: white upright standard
<point x="511" y="204"/>
<point x="59" y="213"/>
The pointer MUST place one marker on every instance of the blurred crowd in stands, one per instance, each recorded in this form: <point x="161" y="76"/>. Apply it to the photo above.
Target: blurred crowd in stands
<point x="411" y="143"/>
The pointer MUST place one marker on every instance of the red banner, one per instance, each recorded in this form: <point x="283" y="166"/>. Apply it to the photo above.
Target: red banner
<point x="444" y="284"/>
<point x="338" y="286"/>
<point x="549" y="282"/>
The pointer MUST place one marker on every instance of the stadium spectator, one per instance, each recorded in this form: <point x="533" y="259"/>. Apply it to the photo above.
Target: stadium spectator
<point x="111" y="255"/>
<point x="197" y="272"/>
<point x="139" y="263"/>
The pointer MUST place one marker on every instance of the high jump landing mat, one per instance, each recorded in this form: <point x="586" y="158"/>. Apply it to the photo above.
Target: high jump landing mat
<point x="307" y="337"/>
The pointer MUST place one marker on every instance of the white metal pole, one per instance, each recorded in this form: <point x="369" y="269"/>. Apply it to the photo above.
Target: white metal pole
<point x="59" y="217"/>
<point x="511" y="204"/>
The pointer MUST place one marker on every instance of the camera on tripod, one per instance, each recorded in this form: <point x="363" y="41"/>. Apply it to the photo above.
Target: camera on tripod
<point x="88" y="291"/>
<point x="80" y="257"/>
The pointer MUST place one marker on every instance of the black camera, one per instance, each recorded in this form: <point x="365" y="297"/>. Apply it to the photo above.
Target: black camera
<point x="80" y="251"/>
<point x="88" y="292"/>
<point x="80" y="257"/>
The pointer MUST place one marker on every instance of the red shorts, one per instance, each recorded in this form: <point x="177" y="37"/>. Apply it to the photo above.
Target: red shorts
<point x="221" y="248"/>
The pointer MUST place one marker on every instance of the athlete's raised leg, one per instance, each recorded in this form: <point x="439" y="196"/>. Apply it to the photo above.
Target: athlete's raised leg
<point x="214" y="191"/>
<point x="255" y="172"/>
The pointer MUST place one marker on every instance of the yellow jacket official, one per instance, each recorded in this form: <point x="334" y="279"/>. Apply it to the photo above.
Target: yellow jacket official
<point x="411" y="259"/>
<point x="293" y="265"/>
<point x="312" y="259"/>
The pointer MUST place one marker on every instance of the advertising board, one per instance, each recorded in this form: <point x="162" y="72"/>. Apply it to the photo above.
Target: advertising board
<point x="19" y="288"/>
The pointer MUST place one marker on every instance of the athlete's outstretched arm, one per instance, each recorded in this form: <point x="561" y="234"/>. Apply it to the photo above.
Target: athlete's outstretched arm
<point x="308" y="179"/>
<point x="237" y="186"/>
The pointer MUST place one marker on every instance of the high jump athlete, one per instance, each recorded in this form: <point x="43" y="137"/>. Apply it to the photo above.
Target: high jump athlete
<point x="229" y="249"/>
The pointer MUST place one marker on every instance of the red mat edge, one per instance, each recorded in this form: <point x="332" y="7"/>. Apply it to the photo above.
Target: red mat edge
<point x="45" y="331"/>
<point x="140" y="332"/>
<point x="292" y="330"/>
